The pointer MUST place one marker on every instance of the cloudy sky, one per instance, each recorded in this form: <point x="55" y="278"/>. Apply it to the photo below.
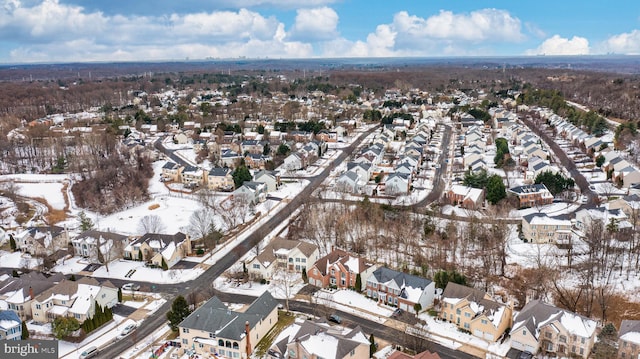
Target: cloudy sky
<point x="137" y="30"/>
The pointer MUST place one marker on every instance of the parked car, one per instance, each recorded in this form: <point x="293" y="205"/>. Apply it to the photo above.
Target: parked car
<point x="127" y="330"/>
<point x="131" y="286"/>
<point x="89" y="353"/>
<point x="525" y="355"/>
<point x="335" y="318"/>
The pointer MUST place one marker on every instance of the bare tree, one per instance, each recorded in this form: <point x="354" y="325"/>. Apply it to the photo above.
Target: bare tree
<point x="151" y="224"/>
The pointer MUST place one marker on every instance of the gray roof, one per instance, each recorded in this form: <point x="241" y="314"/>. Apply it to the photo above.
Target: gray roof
<point x="629" y="326"/>
<point x="214" y="317"/>
<point x="100" y="234"/>
<point x="170" y="166"/>
<point x="534" y="313"/>
<point x="219" y="171"/>
<point x="402" y="280"/>
<point x="163" y="238"/>
<point x="346" y="343"/>
<point x="530" y="188"/>
<point x="8" y="315"/>
<point x="364" y="166"/>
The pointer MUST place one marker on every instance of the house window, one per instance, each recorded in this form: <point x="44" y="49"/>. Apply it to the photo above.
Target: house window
<point x="484" y="321"/>
<point x="563" y="339"/>
<point x="303" y="260"/>
<point x="297" y="260"/>
<point x="185" y="330"/>
<point x="185" y="341"/>
<point x="581" y="341"/>
<point x="581" y="351"/>
<point x="291" y="261"/>
<point x="256" y="266"/>
<point x="212" y="335"/>
<point x="466" y="325"/>
<point x="467" y="314"/>
<point x="547" y="334"/>
<point x="38" y="306"/>
<point x="458" y="311"/>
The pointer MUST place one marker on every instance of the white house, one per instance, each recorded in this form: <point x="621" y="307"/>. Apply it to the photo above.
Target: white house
<point x="397" y="184"/>
<point x="348" y="182"/>
<point x="280" y="253"/>
<point x="270" y="178"/>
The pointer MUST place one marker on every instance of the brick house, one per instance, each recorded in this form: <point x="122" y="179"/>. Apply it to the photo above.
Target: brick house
<point x="532" y="195"/>
<point x="629" y="339"/>
<point x="339" y="269"/>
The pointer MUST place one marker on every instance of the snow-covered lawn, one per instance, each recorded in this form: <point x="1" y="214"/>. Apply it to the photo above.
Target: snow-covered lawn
<point x="51" y="192"/>
<point x="17" y="260"/>
<point x="120" y="268"/>
<point x="174" y="212"/>
<point x="554" y="209"/>
<point x="440" y="331"/>
<point x="351" y="302"/>
<point x="276" y="287"/>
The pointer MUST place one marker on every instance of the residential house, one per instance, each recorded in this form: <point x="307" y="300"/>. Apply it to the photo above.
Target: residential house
<point x="280" y="253"/>
<point x="252" y="146"/>
<point x="294" y="162"/>
<point x="75" y="299"/>
<point x="552" y="331"/>
<point x="42" y="241"/>
<point x="540" y="228"/>
<point x="532" y="195"/>
<point x="230" y="158"/>
<point x="339" y="269"/>
<point x="364" y="170"/>
<point x="269" y="178"/>
<point x="464" y="196"/>
<point x="396" y="354"/>
<point x="193" y="177"/>
<point x="111" y="245"/>
<point x="586" y="218"/>
<point x="181" y="138"/>
<point x="256" y="160"/>
<point x="16" y="294"/>
<point x="318" y="340"/>
<point x="405" y="168"/>
<point x="254" y="192"/>
<point x="215" y="330"/>
<point x="10" y="325"/>
<point x="156" y="248"/>
<point x="475" y="311"/>
<point x="399" y="289"/>
<point x="220" y="178"/>
<point x="397" y="184"/>
<point x="630" y="205"/>
<point x="171" y="172"/>
<point x="349" y="182"/>
<point x="628" y="339"/>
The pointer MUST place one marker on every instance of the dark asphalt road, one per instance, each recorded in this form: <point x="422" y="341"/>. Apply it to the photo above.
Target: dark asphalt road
<point x="204" y="281"/>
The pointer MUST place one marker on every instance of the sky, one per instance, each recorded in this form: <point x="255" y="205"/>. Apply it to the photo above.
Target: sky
<point x="140" y="30"/>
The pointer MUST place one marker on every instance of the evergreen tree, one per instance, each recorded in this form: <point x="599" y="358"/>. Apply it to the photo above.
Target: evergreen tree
<point x="12" y="243"/>
<point x="358" y="282"/>
<point x="85" y="222"/>
<point x="73" y="277"/>
<point x="119" y="295"/>
<point x="14" y="273"/>
<point x="241" y="175"/>
<point x="304" y="275"/>
<point x="372" y="345"/>
<point x="164" y="264"/>
<point x="496" y="189"/>
<point x="140" y="255"/>
<point x="25" y="331"/>
<point x="179" y="311"/>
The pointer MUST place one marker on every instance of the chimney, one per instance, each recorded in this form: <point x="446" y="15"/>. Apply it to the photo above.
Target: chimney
<point x="246" y="329"/>
<point x="31" y="293"/>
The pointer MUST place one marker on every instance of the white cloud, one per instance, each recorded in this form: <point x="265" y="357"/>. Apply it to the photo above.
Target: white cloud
<point x="480" y="25"/>
<point x="557" y="45"/>
<point x="315" y="25"/>
<point x="625" y="43"/>
<point x="445" y="33"/>
<point x="52" y="31"/>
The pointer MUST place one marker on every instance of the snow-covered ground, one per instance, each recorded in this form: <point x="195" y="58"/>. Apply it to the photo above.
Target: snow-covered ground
<point x="352" y="302"/>
<point x="51" y="192"/>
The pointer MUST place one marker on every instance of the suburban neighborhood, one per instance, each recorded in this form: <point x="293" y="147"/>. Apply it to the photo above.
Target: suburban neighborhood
<point x="393" y="223"/>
